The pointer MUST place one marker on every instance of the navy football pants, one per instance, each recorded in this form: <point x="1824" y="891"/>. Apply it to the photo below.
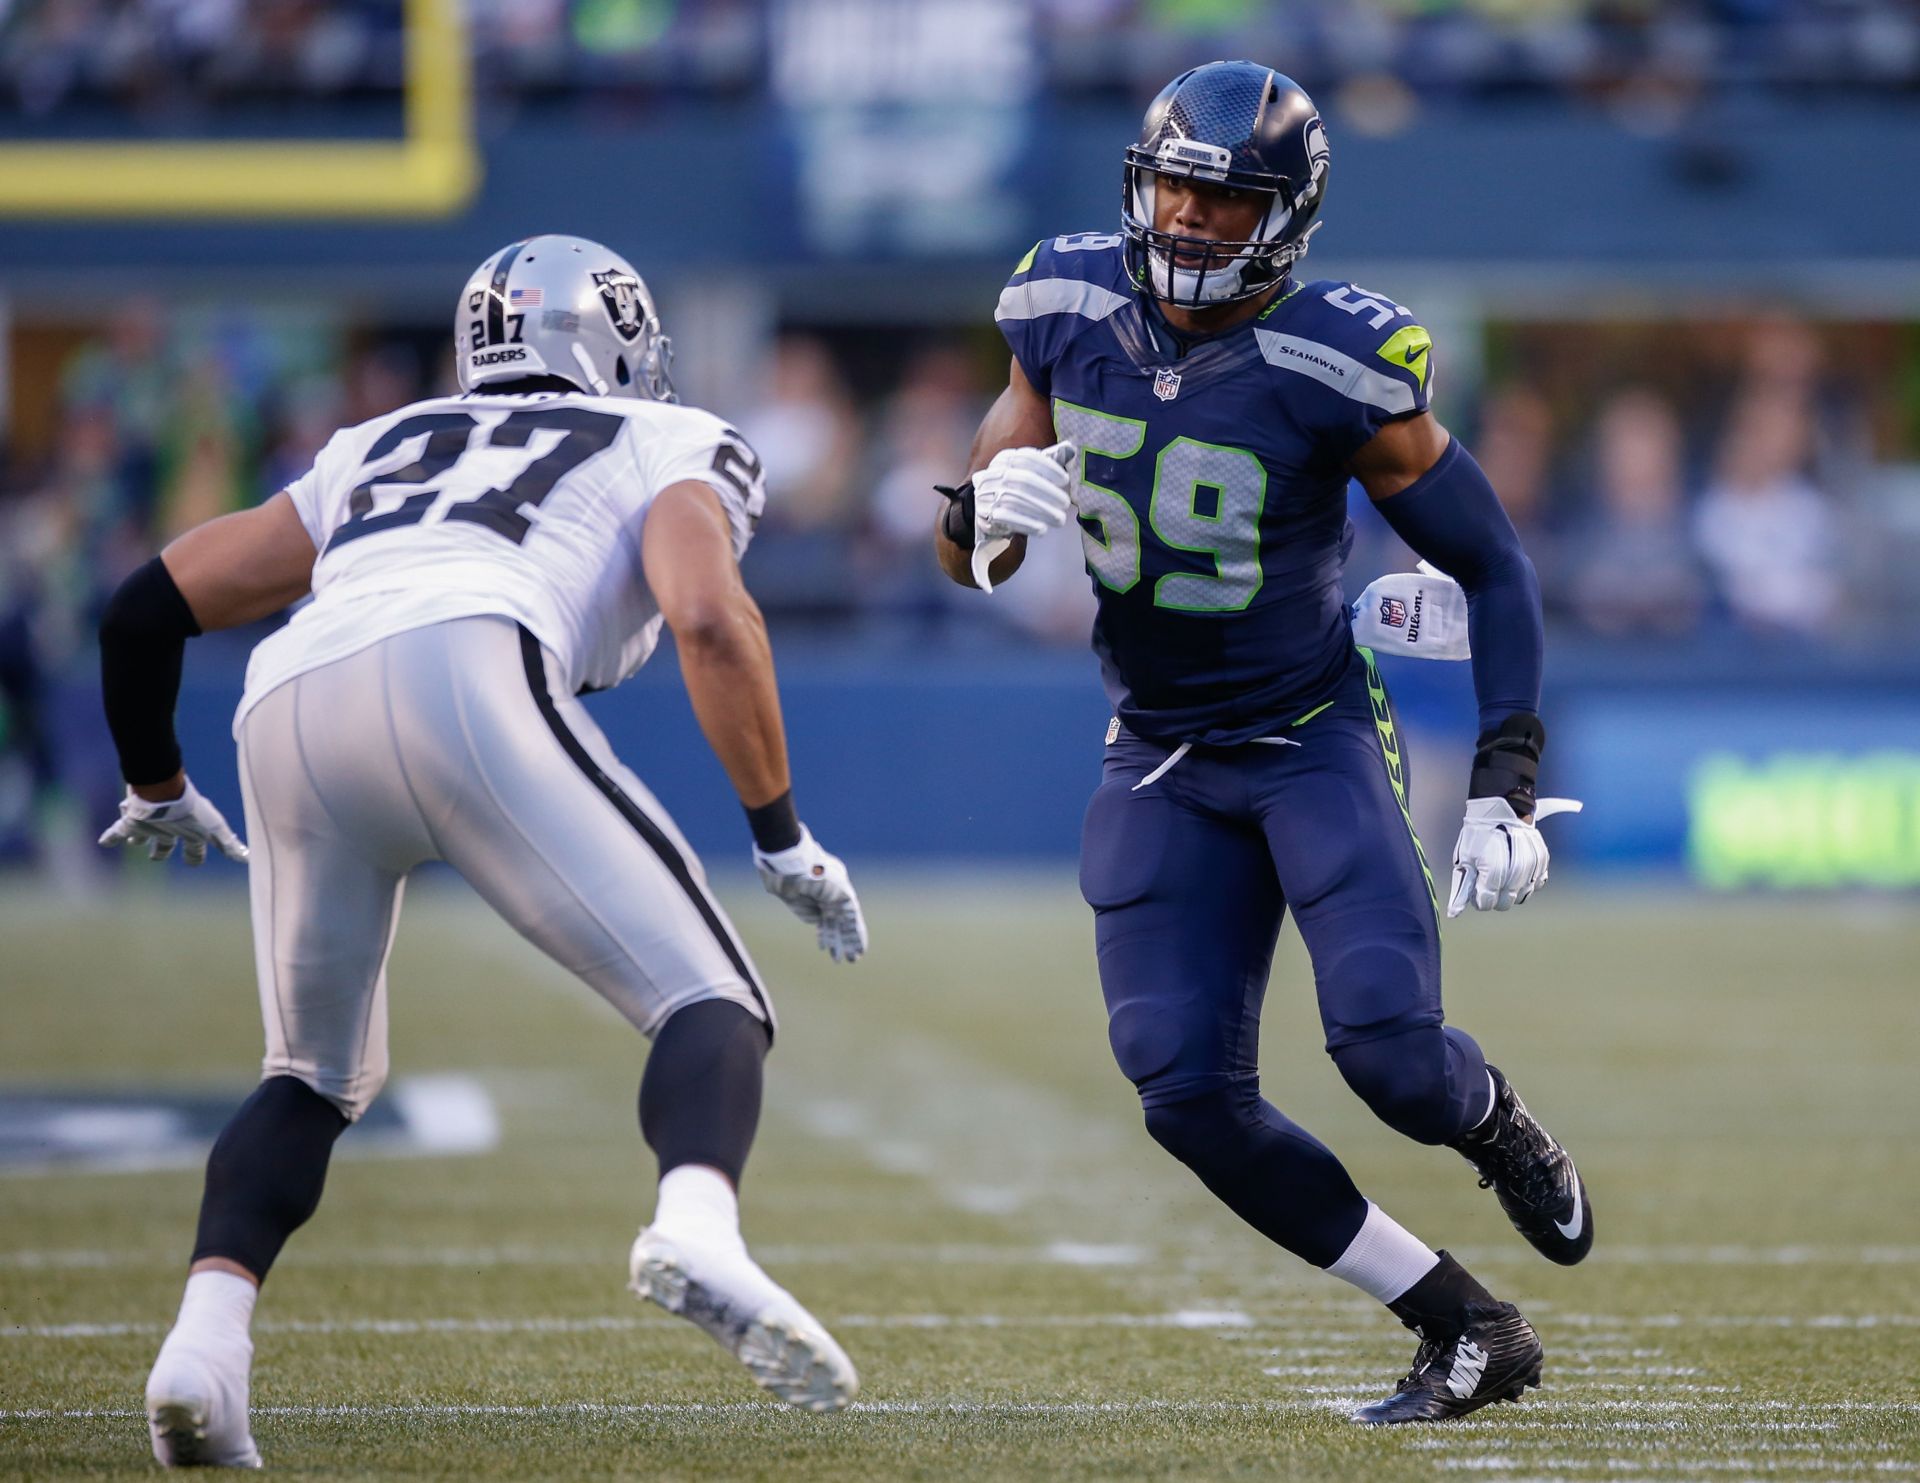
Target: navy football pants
<point x="1189" y="876"/>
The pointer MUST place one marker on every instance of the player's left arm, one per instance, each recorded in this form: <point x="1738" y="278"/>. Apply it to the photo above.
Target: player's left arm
<point x="726" y="659"/>
<point x="1434" y="495"/>
<point x="229" y="571"/>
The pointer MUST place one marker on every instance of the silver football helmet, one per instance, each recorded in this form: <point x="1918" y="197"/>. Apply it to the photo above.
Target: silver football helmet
<point x="566" y="307"/>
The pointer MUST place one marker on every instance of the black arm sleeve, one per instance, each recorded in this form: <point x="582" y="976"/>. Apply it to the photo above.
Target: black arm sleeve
<point x="143" y="637"/>
<point x="1451" y="516"/>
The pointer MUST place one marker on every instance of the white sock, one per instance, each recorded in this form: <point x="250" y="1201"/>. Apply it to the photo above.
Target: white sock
<point x="1384" y="1258"/>
<point x="698" y="1205"/>
<point x="216" y="1311"/>
<point x="208" y="1359"/>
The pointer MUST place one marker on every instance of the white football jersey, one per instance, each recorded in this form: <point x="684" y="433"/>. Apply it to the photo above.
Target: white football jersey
<point x="526" y="507"/>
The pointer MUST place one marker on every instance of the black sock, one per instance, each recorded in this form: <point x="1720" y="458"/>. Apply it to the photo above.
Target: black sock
<point x="1436" y="1306"/>
<point x="700" y="1096"/>
<point x="266" y="1172"/>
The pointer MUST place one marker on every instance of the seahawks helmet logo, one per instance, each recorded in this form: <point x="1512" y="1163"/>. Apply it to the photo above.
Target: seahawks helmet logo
<point x="1314" y="138"/>
<point x="620" y="293"/>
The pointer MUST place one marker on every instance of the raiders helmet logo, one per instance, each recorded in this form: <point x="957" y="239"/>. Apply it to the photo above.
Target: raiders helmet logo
<point x="620" y="293"/>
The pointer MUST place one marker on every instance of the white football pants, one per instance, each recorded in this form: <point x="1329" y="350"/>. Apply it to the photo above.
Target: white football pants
<point x="449" y="743"/>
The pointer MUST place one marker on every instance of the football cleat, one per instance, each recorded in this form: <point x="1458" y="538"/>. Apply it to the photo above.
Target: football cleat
<point x="1533" y="1177"/>
<point x="1494" y="1356"/>
<point x="785" y="1348"/>
<point x="197" y="1411"/>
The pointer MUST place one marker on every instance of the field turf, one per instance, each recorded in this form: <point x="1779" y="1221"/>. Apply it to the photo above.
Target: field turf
<point x="953" y="1175"/>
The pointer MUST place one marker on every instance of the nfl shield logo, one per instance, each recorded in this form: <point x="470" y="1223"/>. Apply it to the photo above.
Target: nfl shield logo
<point x="1166" y="384"/>
<point x="1393" y="612"/>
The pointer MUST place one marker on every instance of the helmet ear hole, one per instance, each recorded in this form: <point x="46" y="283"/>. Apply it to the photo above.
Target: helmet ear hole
<point x="620" y="371"/>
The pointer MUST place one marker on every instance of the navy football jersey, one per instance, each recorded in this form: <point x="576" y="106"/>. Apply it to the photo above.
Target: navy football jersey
<point x="1213" y="498"/>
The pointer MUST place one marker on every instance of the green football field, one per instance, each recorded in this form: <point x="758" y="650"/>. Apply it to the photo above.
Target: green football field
<point x="952" y="1174"/>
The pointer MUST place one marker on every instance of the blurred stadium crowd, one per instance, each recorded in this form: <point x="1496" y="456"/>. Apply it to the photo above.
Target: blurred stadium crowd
<point x="1721" y="484"/>
<point x="1668" y="478"/>
<point x="1740" y="481"/>
<point x="178" y="55"/>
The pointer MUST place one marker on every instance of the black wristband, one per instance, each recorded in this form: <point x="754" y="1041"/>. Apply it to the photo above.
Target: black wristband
<point x="956" y="521"/>
<point x="1507" y="762"/>
<point x="143" y="638"/>
<point x="775" y="825"/>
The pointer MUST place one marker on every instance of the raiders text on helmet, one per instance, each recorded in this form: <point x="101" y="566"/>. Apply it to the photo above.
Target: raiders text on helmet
<point x="1234" y="124"/>
<point x="566" y="307"/>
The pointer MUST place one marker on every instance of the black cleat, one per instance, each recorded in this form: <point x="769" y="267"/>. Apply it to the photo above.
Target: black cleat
<point x="1533" y="1176"/>
<point x="1494" y="1356"/>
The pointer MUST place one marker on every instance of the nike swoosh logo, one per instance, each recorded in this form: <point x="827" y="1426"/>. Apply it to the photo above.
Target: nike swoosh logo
<point x="1571" y="1228"/>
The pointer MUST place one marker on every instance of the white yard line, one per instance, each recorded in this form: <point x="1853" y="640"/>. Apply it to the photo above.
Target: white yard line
<point x="1194" y="1319"/>
<point x="1745" y="1466"/>
<point x="745" y="1408"/>
<point x="1547" y="1414"/>
<point x="1730" y="1320"/>
<point x="1061" y="1251"/>
<point x="1714" y="1255"/>
<point x="1203" y="1319"/>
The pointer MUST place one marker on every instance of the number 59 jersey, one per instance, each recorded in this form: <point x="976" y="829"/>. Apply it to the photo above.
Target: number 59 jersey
<point x="524" y="507"/>
<point x="1213" y="495"/>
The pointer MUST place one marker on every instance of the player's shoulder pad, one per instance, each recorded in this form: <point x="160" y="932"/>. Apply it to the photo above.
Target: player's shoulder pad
<point x="1361" y="344"/>
<point x="675" y="425"/>
<point x="1082" y="274"/>
<point x="380" y="434"/>
<point x="685" y="420"/>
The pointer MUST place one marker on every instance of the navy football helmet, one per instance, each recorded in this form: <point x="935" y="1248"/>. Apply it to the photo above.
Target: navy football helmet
<point x="1234" y="124"/>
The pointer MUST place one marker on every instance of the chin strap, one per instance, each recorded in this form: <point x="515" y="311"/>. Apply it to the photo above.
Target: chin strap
<point x="585" y="362"/>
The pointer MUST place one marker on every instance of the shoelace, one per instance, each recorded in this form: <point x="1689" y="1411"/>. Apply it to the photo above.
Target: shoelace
<point x="1526" y="1158"/>
<point x="1424" y="1358"/>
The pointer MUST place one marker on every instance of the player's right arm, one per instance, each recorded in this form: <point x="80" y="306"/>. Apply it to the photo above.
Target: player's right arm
<point x="233" y="570"/>
<point x="1021" y="487"/>
<point x="1019" y="419"/>
<point x="726" y="662"/>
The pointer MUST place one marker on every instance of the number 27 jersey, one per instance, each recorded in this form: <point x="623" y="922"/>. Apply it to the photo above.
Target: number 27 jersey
<point x="1213" y="496"/>
<point x="522" y="507"/>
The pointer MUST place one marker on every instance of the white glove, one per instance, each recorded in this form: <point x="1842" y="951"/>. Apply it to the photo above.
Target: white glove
<point x="188" y="821"/>
<point x="1418" y="615"/>
<point x="817" y="889"/>
<point x="1501" y="859"/>
<point x="1021" y="492"/>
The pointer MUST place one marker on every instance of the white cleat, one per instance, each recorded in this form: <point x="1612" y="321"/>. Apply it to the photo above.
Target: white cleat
<point x="785" y="1348"/>
<point x="196" y="1414"/>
